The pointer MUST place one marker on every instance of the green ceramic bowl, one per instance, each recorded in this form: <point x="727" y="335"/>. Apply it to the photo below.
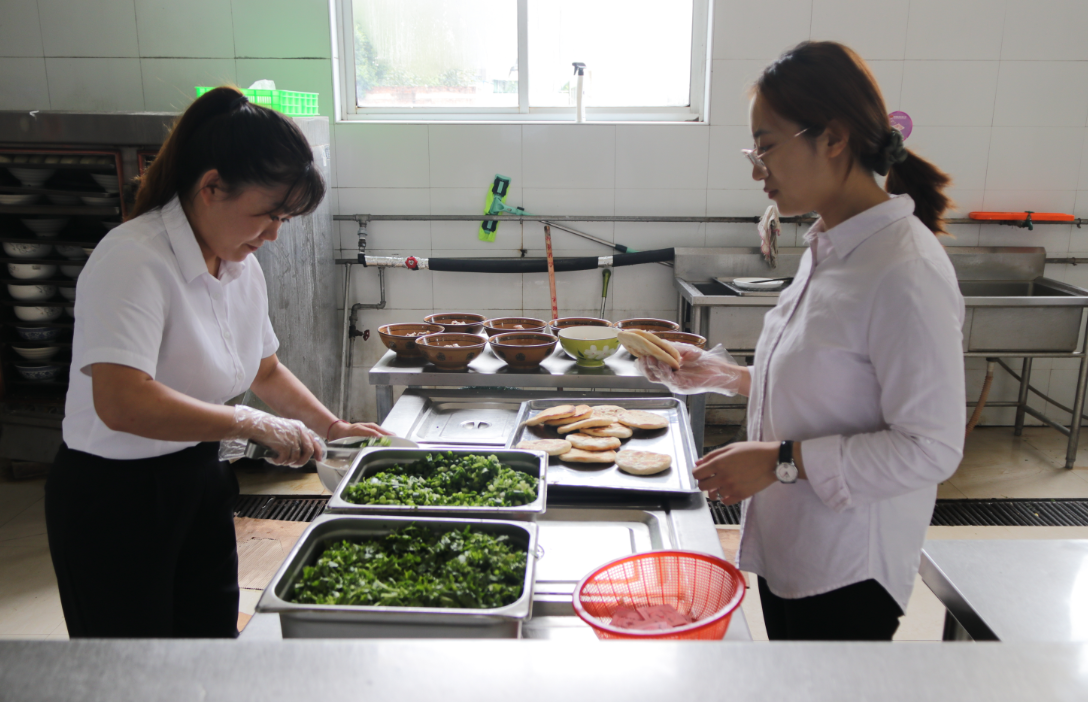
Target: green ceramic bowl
<point x="589" y="346"/>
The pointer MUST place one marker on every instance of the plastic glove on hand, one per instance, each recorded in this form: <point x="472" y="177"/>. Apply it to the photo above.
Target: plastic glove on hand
<point x="292" y="441"/>
<point x="700" y="371"/>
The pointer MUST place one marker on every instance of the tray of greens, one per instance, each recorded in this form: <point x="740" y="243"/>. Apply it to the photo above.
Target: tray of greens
<point x="506" y="483"/>
<point x="404" y="577"/>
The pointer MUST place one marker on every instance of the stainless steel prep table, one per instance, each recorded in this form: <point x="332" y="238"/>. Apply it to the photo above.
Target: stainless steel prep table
<point x="481" y="671"/>
<point x="1016" y="590"/>
<point x="557" y="371"/>
<point x="575" y="536"/>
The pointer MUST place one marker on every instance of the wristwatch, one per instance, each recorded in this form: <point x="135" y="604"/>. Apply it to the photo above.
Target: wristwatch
<point x="786" y="470"/>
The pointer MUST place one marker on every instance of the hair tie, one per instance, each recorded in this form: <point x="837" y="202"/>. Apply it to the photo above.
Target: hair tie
<point x="893" y="152"/>
<point x="238" y="102"/>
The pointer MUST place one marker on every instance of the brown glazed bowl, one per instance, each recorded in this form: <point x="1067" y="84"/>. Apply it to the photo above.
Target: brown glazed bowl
<point x="648" y="324"/>
<point x="563" y="322"/>
<point x="501" y="325"/>
<point x="679" y="337"/>
<point x="523" y="349"/>
<point x="457" y="322"/>
<point x="401" y="338"/>
<point x="449" y="350"/>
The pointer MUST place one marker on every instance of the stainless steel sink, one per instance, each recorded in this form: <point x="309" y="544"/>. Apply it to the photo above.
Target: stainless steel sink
<point x="1024" y="315"/>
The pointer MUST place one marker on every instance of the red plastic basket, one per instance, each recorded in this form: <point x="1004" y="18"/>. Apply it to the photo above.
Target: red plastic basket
<point x="707" y="587"/>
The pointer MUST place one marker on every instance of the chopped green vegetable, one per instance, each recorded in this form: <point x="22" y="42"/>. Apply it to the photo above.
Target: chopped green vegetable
<point x="446" y="479"/>
<point x="417" y="567"/>
<point x="377" y="441"/>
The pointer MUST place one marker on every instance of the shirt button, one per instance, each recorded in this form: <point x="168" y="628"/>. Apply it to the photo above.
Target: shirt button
<point x="226" y="335"/>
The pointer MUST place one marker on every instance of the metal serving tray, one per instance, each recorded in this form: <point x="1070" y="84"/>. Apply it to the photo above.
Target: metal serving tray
<point x="346" y="621"/>
<point x="371" y="461"/>
<point x="676" y="440"/>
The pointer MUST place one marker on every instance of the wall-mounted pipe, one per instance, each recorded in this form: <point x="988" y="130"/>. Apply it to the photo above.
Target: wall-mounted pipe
<point x="513" y="265"/>
<point x="351" y="331"/>
<point x="803" y="219"/>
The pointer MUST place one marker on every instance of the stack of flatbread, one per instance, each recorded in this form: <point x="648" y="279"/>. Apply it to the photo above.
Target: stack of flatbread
<point x="591" y="434"/>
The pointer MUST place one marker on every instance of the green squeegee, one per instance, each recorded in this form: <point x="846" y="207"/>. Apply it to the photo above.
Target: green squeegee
<point x="496" y="205"/>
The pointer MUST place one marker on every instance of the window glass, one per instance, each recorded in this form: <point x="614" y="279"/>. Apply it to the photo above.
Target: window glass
<point x="637" y="52"/>
<point x="436" y="53"/>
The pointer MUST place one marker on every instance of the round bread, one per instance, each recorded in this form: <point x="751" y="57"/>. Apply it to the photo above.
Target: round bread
<point x="640" y="419"/>
<point x="593" y="443"/>
<point x="557" y="412"/>
<point x="608" y="411"/>
<point x="615" y="429"/>
<point x="591" y="422"/>
<point x="642" y="462"/>
<point x="641" y="344"/>
<point x="580" y="456"/>
<point x="552" y="447"/>
<point x="580" y="412"/>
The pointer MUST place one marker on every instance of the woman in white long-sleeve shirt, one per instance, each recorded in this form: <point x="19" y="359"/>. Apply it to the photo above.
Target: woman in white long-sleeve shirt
<point x="856" y="408"/>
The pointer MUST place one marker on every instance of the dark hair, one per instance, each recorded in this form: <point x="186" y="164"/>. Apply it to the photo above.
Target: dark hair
<point x="816" y="82"/>
<point x="248" y="145"/>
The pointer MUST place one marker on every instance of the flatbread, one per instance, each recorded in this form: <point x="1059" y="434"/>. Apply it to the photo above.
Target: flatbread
<point x="641" y="343"/>
<point x="556" y="412"/>
<point x="642" y="462"/>
<point x="593" y="443"/>
<point x="552" y="447"/>
<point x="591" y="422"/>
<point x="580" y="456"/>
<point x="616" y="429"/>
<point x="580" y="412"/>
<point x="608" y="410"/>
<point x="640" y="419"/>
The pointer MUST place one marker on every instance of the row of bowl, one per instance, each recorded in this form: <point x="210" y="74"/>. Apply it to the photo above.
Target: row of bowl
<point x="69" y="251"/>
<point x="43" y="313"/>
<point x="42" y="271"/>
<point x="40" y="293"/>
<point x="522" y="342"/>
<point x="36" y="178"/>
<point x="99" y="200"/>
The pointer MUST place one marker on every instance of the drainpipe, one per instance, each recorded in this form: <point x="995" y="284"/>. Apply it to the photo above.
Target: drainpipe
<point x="351" y="331"/>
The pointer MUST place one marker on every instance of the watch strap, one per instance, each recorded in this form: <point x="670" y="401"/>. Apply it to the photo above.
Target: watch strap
<point x="785" y="452"/>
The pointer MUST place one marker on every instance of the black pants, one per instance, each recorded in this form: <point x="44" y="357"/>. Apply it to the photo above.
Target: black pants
<point x="860" y="612"/>
<point x="144" y="548"/>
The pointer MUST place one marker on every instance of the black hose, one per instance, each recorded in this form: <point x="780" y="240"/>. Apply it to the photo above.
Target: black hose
<point x="540" y="265"/>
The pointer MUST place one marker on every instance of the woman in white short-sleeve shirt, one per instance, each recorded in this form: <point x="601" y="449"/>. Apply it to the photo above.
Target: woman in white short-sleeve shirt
<point x="856" y="408"/>
<point x="171" y="322"/>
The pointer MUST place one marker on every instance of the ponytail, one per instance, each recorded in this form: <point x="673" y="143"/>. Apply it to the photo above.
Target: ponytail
<point x="247" y="144"/>
<point x="924" y="183"/>
<point x="819" y="81"/>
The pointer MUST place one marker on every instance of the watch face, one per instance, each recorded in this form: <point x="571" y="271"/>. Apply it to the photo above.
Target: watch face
<point x="786" y="472"/>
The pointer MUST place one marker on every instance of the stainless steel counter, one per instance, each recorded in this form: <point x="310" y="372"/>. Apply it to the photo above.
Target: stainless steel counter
<point x="1017" y="591"/>
<point x="557" y="371"/>
<point x="480" y="671"/>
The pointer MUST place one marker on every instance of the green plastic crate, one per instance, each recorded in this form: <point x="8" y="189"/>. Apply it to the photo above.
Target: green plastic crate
<point x="289" y="102"/>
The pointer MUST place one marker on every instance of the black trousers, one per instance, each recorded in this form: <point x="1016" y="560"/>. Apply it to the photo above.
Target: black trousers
<point x="860" y="612"/>
<point x="144" y="548"/>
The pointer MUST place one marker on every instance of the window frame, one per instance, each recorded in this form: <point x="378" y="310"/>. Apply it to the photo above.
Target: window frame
<point x="346" y="109"/>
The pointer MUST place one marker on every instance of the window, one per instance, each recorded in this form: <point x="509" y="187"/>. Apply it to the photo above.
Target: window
<point x="511" y="60"/>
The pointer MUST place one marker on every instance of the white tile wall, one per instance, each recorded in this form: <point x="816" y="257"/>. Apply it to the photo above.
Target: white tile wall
<point x="23" y="84"/>
<point x="759" y="30"/>
<point x="95" y="85"/>
<point x="961" y="30"/>
<point x="191" y="29"/>
<point x="568" y="156"/>
<point x="1045" y="30"/>
<point x="998" y="90"/>
<point x="876" y="29"/>
<point x="656" y="156"/>
<point x="950" y="93"/>
<point x="20" y="29"/>
<point x="1063" y="102"/>
<point x="168" y="83"/>
<point x="281" y="28"/>
<point x="75" y="28"/>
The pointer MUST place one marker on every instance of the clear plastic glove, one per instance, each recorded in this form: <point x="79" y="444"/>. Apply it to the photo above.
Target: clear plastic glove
<point x="292" y="441"/>
<point x="700" y="371"/>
